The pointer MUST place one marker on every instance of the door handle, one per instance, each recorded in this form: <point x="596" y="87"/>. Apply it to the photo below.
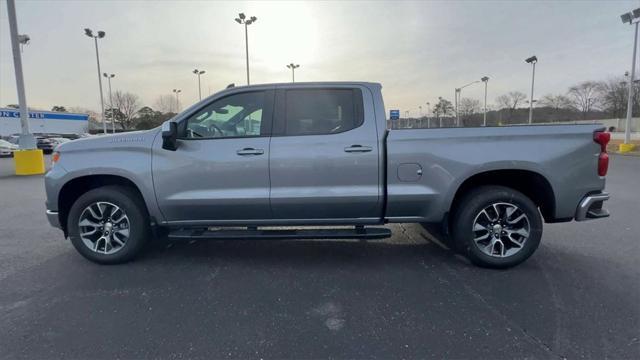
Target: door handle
<point x="250" y="151"/>
<point x="357" y="149"/>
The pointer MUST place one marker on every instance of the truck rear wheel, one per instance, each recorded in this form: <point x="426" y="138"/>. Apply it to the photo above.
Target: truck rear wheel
<point x="108" y="225"/>
<point x="496" y="227"/>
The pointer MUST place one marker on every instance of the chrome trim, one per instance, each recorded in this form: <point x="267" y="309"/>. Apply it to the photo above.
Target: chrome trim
<point x="53" y="218"/>
<point x="585" y="204"/>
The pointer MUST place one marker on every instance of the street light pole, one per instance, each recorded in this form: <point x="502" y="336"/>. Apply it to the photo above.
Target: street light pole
<point x="242" y="19"/>
<point x="26" y="139"/>
<point x="428" y="112"/>
<point x="458" y="96"/>
<point x="629" y="18"/>
<point x="485" y="80"/>
<point x="177" y="92"/>
<point x="113" y="122"/>
<point x="100" y="35"/>
<point x="293" y="68"/>
<point x="532" y="60"/>
<point x="198" y="73"/>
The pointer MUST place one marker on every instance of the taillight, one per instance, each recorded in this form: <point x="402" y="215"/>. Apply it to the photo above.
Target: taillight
<point x="602" y="138"/>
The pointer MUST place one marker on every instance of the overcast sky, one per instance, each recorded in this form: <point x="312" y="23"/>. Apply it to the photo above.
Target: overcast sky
<point x="417" y="50"/>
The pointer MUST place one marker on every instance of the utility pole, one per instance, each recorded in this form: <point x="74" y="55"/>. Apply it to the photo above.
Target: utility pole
<point x="113" y="121"/>
<point x="242" y="19"/>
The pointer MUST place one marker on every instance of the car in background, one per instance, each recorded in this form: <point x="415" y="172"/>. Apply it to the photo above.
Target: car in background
<point x="59" y="140"/>
<point x="46" y="145"/>
<point x="7" y="148"/>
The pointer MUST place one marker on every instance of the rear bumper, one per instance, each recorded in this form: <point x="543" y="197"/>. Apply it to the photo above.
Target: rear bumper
<point x="53" y="218"/>
<point x="591" y="207"/>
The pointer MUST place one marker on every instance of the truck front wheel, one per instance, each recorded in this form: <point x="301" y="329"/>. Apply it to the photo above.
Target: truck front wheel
<point x="496" y="227"/>
<point x="108" y="225"/>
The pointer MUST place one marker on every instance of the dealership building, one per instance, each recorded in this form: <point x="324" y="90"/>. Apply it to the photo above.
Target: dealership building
<point x="44" y="122"/>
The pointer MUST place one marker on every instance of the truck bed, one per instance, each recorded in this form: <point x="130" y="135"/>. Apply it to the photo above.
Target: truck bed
<point x="425" y="167"/>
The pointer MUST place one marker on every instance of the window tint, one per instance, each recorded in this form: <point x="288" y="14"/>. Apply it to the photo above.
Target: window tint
<point x="322" y="111"/>
<point x="231" y="116"/>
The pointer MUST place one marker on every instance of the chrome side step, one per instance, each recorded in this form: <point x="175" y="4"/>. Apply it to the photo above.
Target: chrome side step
<point x="280" y="234"/>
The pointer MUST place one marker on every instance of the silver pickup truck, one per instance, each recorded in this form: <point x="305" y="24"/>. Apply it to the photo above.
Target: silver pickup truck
<point x="316" y="160"/>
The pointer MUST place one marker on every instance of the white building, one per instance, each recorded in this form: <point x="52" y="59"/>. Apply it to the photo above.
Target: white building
<point x="43" y="122"/>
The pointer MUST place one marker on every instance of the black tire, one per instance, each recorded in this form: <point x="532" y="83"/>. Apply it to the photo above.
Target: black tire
<point x="477" y="200"/>
<point x="126" y="199"/>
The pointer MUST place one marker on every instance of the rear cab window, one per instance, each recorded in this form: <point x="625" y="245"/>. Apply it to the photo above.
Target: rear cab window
<point x="318" y="111"/>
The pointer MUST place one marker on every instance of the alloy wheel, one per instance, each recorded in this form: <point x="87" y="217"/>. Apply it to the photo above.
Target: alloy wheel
<point x="104" y="227"/>
<point x="501" y="229"/>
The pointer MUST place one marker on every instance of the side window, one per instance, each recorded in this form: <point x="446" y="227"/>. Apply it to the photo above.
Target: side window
<point x="322" y="111"/>
<point x="232" y="116"/>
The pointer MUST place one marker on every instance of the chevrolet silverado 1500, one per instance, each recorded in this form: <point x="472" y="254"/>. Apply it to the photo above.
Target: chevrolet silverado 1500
<point x="269" y="161"/>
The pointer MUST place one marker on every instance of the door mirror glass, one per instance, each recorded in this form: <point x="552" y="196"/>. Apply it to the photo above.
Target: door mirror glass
<point x="170" y="135"/>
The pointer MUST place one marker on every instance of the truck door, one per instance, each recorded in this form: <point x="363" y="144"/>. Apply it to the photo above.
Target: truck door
<point x="324" y="155"/>
<point x="220" y="170"/>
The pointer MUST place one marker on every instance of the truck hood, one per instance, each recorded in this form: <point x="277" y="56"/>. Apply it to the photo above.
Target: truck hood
<point x="134" y="139"/>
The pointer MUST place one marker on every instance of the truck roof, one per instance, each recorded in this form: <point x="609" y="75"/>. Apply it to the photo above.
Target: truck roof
<point x="313" y="83"/>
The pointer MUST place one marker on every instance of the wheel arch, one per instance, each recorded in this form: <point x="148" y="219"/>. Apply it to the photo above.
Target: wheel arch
<point x="531" y="183"/>
<point x="76" y="187"/>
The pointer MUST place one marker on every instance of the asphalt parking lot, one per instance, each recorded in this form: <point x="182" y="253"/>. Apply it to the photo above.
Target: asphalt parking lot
<point x="407" y="297"/>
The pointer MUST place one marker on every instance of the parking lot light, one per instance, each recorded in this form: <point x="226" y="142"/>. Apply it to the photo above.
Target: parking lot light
<point x="457" y="97"/>
<point x="100" y="35"/>
<point x="113" y="124"/>
<point x="532" y="60"/>
<point x="177" y="92"/>
<point x="198" y="73"/>
<point x="242" y="20"/>
<point x="631" y="18"/>
<point x="485" y="80"/>
<point x="293" y="68"/>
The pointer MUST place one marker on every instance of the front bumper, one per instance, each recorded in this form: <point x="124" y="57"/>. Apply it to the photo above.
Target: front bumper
<point x="53" y="218"/>
<point x="590" y="207"/>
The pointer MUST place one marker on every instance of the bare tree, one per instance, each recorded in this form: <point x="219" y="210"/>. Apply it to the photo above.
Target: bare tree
<point x="510" y="101"/>
<point x="556" y="102"/>
<point x="584" y="96"/>
<point x="613" y="96"/>
<point x="468" y="106"/>
<point x="128" y="104"/>
<point x="167" y="104"/>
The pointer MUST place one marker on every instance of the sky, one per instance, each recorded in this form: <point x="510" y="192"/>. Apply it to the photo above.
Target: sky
<point x="418" y="50"/>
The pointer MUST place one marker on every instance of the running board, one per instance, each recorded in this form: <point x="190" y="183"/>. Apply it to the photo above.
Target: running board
<point x="272" y="234"/>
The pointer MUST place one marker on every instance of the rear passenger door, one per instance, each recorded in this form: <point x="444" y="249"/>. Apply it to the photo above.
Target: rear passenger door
<point x="324" y="156"/>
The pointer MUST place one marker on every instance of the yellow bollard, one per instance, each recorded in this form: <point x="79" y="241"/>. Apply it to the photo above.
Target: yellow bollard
<point x="29" y="162"/>
<point x="625" y="148"/>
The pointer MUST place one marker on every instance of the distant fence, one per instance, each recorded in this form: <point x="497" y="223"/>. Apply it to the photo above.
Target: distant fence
<point x="433" y="122"/>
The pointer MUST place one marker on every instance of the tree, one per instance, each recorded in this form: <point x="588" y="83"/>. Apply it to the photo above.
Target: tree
<point x="468" y="106"/>
<point x="128" y="104"/>
<point x="443" y="107"/>
<point x="584" y="96"/>
<point x="612" y="96"/>
<point x="167" y="104"/>
<point x="13" y="106"/>
<point x="510" y="102"/>
<point x="149" y="118"/>
<point x="555" y="102"/>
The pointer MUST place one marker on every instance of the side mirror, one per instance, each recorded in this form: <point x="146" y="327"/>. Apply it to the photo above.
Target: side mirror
<point x="170" y="136"/>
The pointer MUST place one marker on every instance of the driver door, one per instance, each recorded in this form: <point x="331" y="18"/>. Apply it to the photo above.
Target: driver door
<point x="220" y="170"/>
